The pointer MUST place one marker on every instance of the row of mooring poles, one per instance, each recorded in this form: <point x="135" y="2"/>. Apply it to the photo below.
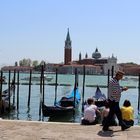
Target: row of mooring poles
<point x="29" y="94"/>
<point x="42" y="88"/>
<point x="9" y="85"/>
<point x="9" y="92"/>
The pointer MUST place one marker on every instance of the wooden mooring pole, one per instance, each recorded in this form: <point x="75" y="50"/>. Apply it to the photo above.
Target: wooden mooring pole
<point x="9" y="83"/>
<point x="14" y="79"/>
<point x="43" y="90"/>
<point x="108" y="79"/>
<point x="43" y="82"/>
<point x="112" y="71"/>
<point x="56" y="84"/>
<point x="75" y="86"/>
<point x="139" y="94"/>
<point x="17" y="90"/>
<point x="29" y="95"/>
<point x="41" y="79"/>
<point x="83" y="93"/>
<point x="1" y="75"/>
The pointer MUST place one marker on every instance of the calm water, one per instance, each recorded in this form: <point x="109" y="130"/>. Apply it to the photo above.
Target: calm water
<point x="33" y="113"/>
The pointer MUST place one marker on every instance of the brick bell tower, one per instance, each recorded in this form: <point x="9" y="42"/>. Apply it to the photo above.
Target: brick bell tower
<point x="67" y="50"/>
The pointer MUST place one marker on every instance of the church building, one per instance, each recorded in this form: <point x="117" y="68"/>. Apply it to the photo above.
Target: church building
<point x="94" y="64"/>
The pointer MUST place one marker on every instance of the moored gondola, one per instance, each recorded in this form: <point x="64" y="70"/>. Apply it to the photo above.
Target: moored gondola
<point x="99" y="97"/>
<point x="51" y="111"/>
<point x="65" y="106"/>
<point x="5" y="98"/>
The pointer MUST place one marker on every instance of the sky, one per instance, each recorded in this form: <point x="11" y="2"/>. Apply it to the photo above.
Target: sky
<point x="37" y="29"/>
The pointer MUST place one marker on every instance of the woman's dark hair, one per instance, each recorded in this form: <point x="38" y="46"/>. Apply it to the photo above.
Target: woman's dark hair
<point x="90" y="101"/>
<point x="106" y="104"/>
<point x="126" y="103"/>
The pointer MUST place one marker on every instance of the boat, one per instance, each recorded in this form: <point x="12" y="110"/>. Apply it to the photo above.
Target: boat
<point x="38" y="78"/>
<point x="3" y="79"/>
<point x="135" y="79"/>
<point x="6" y="95"/>
<point x="99" y="97"/>
<point x="54" y="111"/>
<point x="66" y="105"/>
<point x="47" y="78"/>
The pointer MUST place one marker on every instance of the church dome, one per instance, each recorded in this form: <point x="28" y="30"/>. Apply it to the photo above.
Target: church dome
<point x="96" y="54"/>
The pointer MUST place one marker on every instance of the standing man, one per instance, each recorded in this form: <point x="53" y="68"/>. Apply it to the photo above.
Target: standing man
<point x="114" y="93"/>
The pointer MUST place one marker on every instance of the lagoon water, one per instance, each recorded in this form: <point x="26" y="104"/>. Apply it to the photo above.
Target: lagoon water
<point x="24" y="113"/>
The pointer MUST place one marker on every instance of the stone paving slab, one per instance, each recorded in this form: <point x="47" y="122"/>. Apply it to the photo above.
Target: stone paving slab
<point x="30" y="130"/>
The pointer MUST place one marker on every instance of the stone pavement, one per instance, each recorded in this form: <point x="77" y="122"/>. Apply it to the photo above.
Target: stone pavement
<point x="30" y="130"/>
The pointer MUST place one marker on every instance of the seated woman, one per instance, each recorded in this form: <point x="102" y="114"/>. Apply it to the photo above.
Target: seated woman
<point x="105" y="113"/>
<point x="127" y="113"/>
<point x="90" y="111"/>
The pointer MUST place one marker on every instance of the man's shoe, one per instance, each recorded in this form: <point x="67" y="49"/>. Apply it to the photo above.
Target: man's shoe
<point x="124" y="127"/>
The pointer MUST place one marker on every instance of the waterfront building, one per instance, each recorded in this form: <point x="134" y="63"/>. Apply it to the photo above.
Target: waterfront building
<point x="111" y="61"/>
<point x="130" y="68"/>
<point x="17" y="68"/>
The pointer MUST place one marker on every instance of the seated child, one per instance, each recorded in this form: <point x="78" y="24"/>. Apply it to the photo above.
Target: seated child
<point x="127" y="113"/>
<point x="90" y="111"/>
<point x="105" y="113"/>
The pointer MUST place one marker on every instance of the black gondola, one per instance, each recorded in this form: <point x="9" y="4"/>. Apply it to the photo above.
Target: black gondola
<point x="65" y="106"/>
<point x="5" y="97"/>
